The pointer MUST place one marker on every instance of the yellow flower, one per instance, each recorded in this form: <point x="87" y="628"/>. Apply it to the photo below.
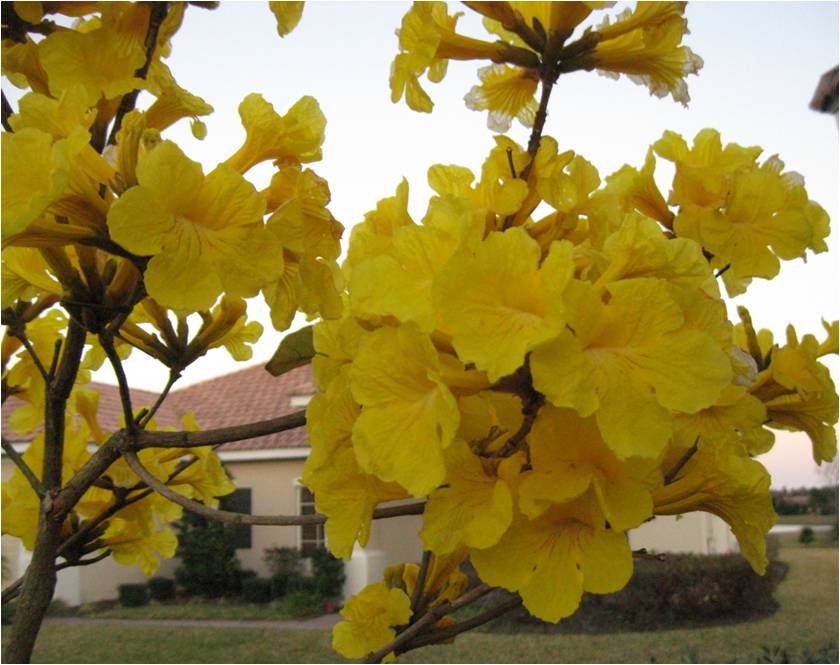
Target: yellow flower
<point x="645" y="45"/>
<point x="629" y="362"/>
<point x="343" y="491"/>
<point x="22" y="65"/>
<point x="199" y="230"/>
<point x="569" y="456"/>
<point x="507" y="93"/>
<point x="409" y="416"/>
<point x="721" y="479"/>
<point x="427" y="39"/>
<point x="102" y="60"/>
<point x="368" y="620"/>
<point x="26" y="275"/>
<point x="287" y="14"/>
<point x="172" y="102"/>
<point x="499" y="303"/>
<point x="226" y="326"/>
<point x="554" y="558"/>
<point x="130" y="545"/>
<point x="475" y="507"/>
<point x="293" y="138"/>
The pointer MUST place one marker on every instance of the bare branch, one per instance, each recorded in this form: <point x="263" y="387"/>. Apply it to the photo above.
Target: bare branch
<point x="672" y="474"/>
<point x="240" y="518"/>
<point x="174" y="375"/>
<point x="221" y="435"/>
<point x="107" y="342"/>
<point x="84" y="562"/>
<point x="462" y="626"/>
<point x="432" y="616"/>
<point x="20" y="334"/>
<point x="6" y="113"/>
<point x="21" y="464"/>
<point x="157" y="14"/>
<point x="417" y="595"/>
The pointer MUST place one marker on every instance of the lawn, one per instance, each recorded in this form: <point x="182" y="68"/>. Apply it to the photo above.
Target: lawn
<point x="220" y="610"/>
<point x="808" y="519"/>
<point x="806" y="620"/>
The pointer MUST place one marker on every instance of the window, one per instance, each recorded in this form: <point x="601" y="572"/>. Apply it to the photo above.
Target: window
<point x="297" y="401"/>
<point x="311" y="535"/>
<point x="239" y="501"/>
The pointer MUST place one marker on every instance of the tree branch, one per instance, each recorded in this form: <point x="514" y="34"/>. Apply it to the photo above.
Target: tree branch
<point x="240" y="518"/>
<point x="433" y="615"/>
<point x="672" y="474"/>
<point x="221" y="435"/>
<point x="417" y="595"/>
<point x="107" y="342"/>
<point x="6" y="113"/>
<point x="174" y="375"/>
<point x="157" y="13"/>
<point x="21" y="464"/>
<point x="19" y="333"/>
<point x="462" y="626"/>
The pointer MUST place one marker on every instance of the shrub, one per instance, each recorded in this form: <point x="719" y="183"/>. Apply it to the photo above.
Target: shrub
<point x="283" y="560"/>
<point x="207" y="550"/>
<point x="133" y="595"/>
<point x="680" y="590"/>
<point x="256" y="590"/>
<point x="806" y="535"/>
<point x="283" y="583"/>
<point x="327" y="573"/>
<point x="302" y="604"/>
<point x="161" y="588"/>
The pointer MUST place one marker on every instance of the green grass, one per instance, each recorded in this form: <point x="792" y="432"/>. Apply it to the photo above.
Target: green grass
<point x="192" y="610"/>
<point x="806" y="620"/>
<point x="808" y="519"/>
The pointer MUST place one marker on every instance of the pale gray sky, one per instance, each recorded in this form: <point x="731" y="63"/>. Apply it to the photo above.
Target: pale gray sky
<point x="762" y="63"/>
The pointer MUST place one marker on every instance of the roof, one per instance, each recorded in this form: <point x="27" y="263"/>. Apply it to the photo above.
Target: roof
<point x="248" y="395"/>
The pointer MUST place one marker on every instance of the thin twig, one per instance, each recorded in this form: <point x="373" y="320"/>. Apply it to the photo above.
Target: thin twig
<point x="6" y="113"/>
<point x="417" y="595"/>
<point x="433" y="615"/>
<point x="672" y="474"/>
<point x="11" y="592"/>
<point x="174" y="375"/>
<point x="21" y="464"/>
<point x="157" y="13"/>
<point x="107" y="342"/>
<point x="228" y="517"/>
<point x="84" y="562"/>
<point x="462" y="626"/>
<point x="20" y="334"/>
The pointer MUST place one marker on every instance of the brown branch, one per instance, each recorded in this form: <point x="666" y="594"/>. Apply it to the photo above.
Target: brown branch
<point x="107" y="342"/>
<point x="84" y="562"/>
<point x="417" y="595"/>
<point x="6" y="113"/>
<point x="11" y="592"/>
<point x="240" y="518"/>
<point x="672" y="474"/>
<point x="462" y="626"/>
<point x="221" y="435"/>
<point x="21" y="464"/>
<point x="157" y="14"/>
<point x="20" y="334"/>
<point x="433" y="615"/>
<point x="174" y="375"/>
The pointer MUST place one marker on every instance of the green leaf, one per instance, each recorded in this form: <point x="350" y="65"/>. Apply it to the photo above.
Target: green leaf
<point x="295" y="350"/>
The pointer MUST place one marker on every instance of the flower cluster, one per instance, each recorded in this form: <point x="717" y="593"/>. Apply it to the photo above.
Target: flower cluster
<point x="105" y="216"/>
<point x="548" y="362"/>
<point x="535" y="46"/>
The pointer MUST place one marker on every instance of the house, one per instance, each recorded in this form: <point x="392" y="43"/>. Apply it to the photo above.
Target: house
<point x="267" y="473"/>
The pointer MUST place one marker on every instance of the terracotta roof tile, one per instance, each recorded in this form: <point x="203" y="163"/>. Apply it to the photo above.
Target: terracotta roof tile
<point x="248" y="395"/>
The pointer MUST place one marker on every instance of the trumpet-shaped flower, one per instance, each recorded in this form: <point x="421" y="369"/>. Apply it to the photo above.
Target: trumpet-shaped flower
<point x="409" y="416"/>
<point x="569" y="456"/>
<point x="198" y="230"/>
<point x="476" y="506"/>
<point x="507" y="93"/>
<point x="368" y="620"/>
<point x="130" y="545"/>
<point x="629" y="362"/>
<point x="554" y="558"/>
<point x="293" y="138"/>
<point x="499" y="303"/>
<point x="721" y="479"/>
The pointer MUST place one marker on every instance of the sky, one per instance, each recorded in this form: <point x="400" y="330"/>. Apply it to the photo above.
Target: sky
<point x="762" y="64"/>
